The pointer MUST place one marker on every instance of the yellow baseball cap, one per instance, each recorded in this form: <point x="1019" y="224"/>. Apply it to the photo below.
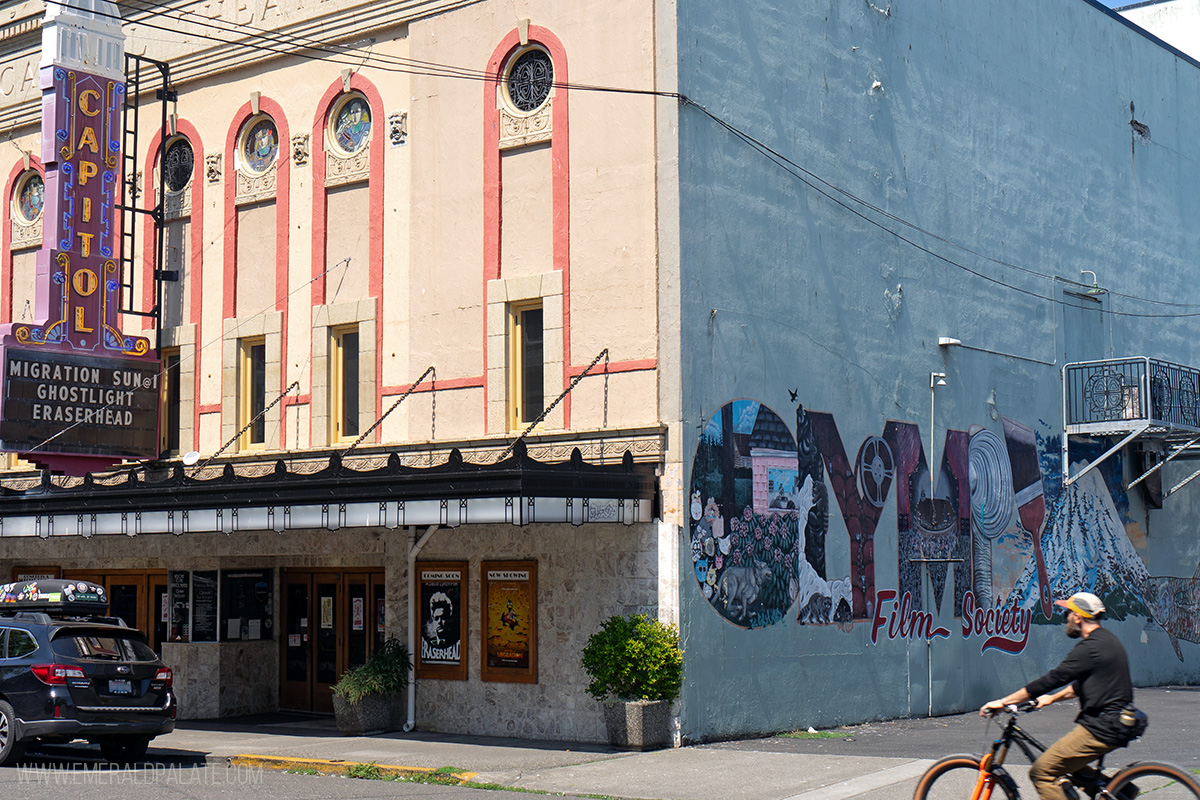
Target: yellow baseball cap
<point x="1085" y="604"/>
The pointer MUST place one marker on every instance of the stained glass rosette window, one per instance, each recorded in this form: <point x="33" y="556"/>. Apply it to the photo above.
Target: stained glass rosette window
<point x="259" y="145"/>
<point x="350" y="125"/>
<point x="29" y="199"/>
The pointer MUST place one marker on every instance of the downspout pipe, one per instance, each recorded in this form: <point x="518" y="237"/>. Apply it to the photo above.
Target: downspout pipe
<point x="414" y="548"/>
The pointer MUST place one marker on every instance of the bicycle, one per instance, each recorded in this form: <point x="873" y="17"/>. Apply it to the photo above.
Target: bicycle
<point x="984" y="777"/>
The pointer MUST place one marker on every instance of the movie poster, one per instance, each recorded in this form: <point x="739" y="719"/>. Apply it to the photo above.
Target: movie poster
<point x="509" y="627"/>
<point x="442" y="593"/>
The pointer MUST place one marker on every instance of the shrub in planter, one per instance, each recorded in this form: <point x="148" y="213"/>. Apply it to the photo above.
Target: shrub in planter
<point x="636" y="669"/>
<point x="362" y="697"/>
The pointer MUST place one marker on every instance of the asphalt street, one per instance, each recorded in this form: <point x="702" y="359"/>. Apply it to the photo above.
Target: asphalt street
<point x="873" y="761"/>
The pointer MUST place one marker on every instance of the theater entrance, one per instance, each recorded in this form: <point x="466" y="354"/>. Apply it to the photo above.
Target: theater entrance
<point x="332" y="620"/>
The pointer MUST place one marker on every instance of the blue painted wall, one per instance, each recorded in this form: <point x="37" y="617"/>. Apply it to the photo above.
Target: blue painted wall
<point x="951" y="169"/>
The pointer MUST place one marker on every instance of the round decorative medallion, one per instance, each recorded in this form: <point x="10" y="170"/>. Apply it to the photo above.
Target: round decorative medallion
<point x="350" y="125"/>
<point x="260" y="145"/>
<point x="29" y="199"/>
<point x="178" y="164"/>
<point x="529" y="80"/>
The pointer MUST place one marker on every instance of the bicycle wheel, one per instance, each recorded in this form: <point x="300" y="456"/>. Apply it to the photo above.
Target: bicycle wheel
<point x="956" y="777"/>
<point x="1153" y="780"/>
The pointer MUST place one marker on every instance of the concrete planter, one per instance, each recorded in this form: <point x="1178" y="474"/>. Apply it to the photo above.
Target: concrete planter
<point x="371" y="714"/>
<point x="638" y="724"/>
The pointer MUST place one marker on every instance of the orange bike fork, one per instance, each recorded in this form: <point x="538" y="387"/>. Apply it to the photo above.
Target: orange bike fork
<point x="985" y="783"/>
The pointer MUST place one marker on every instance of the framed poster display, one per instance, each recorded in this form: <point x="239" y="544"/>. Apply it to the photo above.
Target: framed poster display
<point x="442" y="620"/>
<point x="204" y="606"/>
<point x="509" y="629"/>
<point x="180" y="606"/>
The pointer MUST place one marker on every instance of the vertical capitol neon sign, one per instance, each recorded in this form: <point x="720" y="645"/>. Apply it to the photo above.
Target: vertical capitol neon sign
<point x="78" y="393"/>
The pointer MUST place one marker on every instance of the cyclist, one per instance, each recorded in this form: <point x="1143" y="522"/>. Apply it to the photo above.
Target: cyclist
<point x="1097" y="672"/>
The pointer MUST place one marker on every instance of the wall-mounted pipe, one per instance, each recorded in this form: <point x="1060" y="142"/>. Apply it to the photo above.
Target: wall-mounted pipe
<point x="414" y="548"/>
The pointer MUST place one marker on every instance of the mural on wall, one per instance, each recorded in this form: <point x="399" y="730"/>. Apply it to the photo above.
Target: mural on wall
<point x="991" y="523"/>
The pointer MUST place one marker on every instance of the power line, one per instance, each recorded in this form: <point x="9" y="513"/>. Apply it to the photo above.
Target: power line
<point x="816" y="184"/>
<point x="434" y="69"/>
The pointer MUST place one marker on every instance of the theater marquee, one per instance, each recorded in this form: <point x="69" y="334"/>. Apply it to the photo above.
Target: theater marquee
<point x="89" y="406"/>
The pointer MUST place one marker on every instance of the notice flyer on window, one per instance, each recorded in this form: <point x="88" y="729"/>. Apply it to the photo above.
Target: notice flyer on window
<point x="442" y="593"/>
<point x="509" y="626"/>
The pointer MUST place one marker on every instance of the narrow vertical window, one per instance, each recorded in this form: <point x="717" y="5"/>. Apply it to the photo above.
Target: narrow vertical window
<point x="253" y="386"/>
<point x="528" y="365"/>
<point x="343" y="384"/>
<point x="169" y="399"/>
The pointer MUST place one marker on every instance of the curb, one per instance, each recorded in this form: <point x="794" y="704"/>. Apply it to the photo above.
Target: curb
<point x="334" y="766"/>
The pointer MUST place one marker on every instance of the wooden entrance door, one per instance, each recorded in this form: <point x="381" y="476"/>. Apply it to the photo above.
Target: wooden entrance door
<point x="330" y="623"/>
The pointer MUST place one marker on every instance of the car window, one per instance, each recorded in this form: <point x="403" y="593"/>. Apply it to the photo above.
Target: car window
<point x="20" y="643"/>
<point x="102" y="646"/>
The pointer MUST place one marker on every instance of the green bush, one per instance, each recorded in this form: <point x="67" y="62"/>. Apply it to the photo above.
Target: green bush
<point x="634" y="658"/>
<point x="384" y="672"/>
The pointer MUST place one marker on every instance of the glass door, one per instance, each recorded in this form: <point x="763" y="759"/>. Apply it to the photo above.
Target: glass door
<point x="295" y="685"/>
<point x="329" y="658"/>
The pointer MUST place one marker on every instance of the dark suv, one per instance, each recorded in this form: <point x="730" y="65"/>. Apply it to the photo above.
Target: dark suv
<point x="67" y="672"/>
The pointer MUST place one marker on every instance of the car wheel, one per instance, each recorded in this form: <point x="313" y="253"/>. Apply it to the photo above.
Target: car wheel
<point x="11" y="750"/>
<point x="124" y="749"/>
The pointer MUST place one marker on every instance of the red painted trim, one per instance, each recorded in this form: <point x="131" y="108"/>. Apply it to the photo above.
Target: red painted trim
<point x="283" y="182"/>
<point x="211" y="408"/>
<point x="194" y="313"/>
<point x="298" y="400"/>
<point x="457" y="383"/>
<point x="6" y="258"/>
<point x="320" y="211"/>
<point x="614" y="367"/>
<point x="493" y="190"/>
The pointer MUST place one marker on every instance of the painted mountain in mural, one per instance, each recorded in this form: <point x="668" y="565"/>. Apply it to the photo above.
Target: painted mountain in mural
<point x="1086" y="549"/>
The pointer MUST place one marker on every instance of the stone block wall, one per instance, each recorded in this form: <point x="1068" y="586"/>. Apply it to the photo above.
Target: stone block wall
<point x="585" y="575"/>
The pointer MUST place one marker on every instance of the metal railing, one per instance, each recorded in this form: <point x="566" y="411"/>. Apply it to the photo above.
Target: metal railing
<point x="1131" y="390"/>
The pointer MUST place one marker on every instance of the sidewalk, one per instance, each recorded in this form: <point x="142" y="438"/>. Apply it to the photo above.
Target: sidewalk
<point x="872" y="761"/>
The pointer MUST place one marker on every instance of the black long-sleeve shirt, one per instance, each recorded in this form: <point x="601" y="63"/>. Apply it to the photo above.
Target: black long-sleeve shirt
<point x="1099" y="670"/>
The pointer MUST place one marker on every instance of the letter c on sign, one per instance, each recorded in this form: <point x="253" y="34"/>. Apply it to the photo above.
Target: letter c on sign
<point x="85" y="282"/>
<point x="85" y="98"/>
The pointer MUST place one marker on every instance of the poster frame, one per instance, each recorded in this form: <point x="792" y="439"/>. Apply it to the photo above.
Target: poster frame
<point x="455" y="672"/>
<point x="490" y="594"/>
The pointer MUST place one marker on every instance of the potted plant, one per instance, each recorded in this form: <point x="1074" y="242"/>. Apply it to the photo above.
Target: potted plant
<point x="362" y="697"/>
<point x="636" y="670"/>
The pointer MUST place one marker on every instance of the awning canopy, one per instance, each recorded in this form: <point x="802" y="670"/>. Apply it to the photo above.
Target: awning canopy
<point x="518" y="490"/>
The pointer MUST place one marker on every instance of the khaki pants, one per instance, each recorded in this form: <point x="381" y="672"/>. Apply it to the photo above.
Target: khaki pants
<point x="1063" y="757"/>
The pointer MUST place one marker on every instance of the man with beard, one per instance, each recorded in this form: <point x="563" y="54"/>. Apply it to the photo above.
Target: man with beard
<point x="1097" y="672"/>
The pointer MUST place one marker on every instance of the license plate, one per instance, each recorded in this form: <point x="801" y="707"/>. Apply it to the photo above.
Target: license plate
<point x="120" y="687"/>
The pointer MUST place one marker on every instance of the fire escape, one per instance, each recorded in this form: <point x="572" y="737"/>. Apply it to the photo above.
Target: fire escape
<point x="143" y="76"/>
<point x="1144" y="400"/>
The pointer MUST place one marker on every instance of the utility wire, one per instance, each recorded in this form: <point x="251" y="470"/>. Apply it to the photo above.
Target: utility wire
<point x="433" y="69"/>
